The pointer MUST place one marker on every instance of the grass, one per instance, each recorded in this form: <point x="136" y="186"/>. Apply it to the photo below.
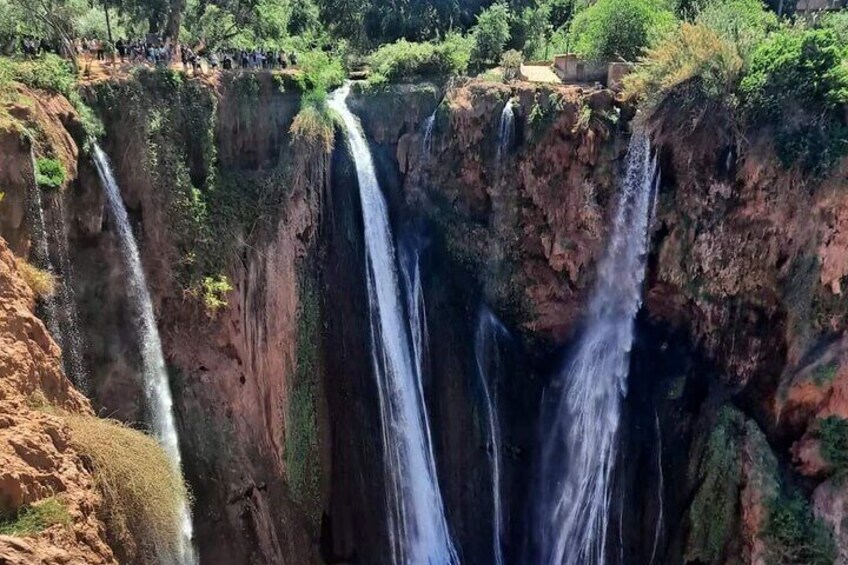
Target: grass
<point x="314" y="126"/>
<point x="34" y="519"/>
<point x="43" y="283"/>
<point x="833" y="432"/>
<point x="824" y="374"/>
<point x="142" y="490"/>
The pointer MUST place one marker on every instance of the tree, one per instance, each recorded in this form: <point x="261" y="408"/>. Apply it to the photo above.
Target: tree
<point x="491" y="33"/>
<point x="619" y="29"/>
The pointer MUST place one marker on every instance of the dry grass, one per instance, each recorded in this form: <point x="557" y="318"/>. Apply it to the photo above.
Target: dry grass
<point x="314" y="127"/>
<point x="42" y="283"/>
<point x="143" y="491"/>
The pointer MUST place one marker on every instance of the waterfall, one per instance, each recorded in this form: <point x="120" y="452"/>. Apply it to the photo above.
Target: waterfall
<point x="70" y="338"/>
<point x="660" y="488"/>
<point x="60" y="309"/>
<point x="506" y="130"/>
<point x="429" y="125"/>
<point x="487" y="357"/>
<point x="41" y="250"/>
<point x="418" y="530"/>
<point x="580" y="445"/>
<point x="156" y="387"/>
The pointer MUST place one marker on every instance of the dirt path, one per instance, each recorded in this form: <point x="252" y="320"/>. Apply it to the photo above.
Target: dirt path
<point x="538" y="73"/>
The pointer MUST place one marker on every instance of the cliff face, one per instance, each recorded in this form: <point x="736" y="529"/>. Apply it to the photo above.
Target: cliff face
<point x="39" y="464"/>
<point x="737" y="366"/>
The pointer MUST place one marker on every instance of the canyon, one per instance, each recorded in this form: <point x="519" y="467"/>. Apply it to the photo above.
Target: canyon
<point x="736" y="371"/>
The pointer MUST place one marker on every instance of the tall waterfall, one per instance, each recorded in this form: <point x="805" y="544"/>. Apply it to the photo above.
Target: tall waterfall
<point x="572" y="506"/>
<point x="506" y="130"/>
<point x="418" y="530"/>
<point x="60" y="310"/>
<point x="487" y="356"/>
<point x="41" y="249"/>
<point x="156" y="387"/>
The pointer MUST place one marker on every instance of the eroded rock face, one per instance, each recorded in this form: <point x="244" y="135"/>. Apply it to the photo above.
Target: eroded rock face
<point x="37" y="460"/>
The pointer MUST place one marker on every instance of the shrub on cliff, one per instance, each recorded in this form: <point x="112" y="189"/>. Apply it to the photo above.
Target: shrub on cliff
<point x="142" y="489"/>
<point x="405" y="60"/>
<point x="792" y="534"/>
<point x="35" y="518"/>
<point x="50" y="173"/>
<point x="797" y="87"/>
<point x="688" y="79"/>
<point x="619" y="29"/>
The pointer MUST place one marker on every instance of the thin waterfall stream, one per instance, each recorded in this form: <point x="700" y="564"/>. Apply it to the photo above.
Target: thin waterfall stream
<point x="418" y="529"/>
<point x="487" y="357"/>
<point x="572" y="504"/>
<point x="506" y="130"/>
<point x="156" y="385"/>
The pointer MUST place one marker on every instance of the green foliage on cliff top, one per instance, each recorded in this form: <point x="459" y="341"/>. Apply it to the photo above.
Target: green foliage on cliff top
<point x="717" y="469"/>
<point x="52" y="74"/>
<point x="687" y="78"/>
<point x="405" y="60"/>
<point x="611" y="30"/>
<point x="33" y="519"/>
<point x="797" y="85"/>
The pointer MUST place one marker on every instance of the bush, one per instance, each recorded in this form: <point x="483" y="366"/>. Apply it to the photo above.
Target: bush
<point x="34" y="519"/>
<point x="491" y="33"/>
<point x="511" y="64"/>
<point x="50" y="173"/>
<point x="833" y="432"/>
<point x="619" y="29"/>
<point x="42" y="282"/>
<point x="320" y="73"/>
<point x="405" y="60"/>
<point x="143" y="491"/>
<point x="693" y="73"/>
<point x="794" y="535"/>
<point x="798" y="84"/>
<point x="313" y="126"/>
<point x="743" y="23"/>
<point x="215" y="291"/>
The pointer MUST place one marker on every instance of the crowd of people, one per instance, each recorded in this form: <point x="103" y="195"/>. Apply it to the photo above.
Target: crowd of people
<point x="154" y="52"/>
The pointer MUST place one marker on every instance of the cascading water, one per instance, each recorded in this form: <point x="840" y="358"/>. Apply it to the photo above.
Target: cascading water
<point x="429" y="126"/>
<point x="41" y="250"/>
<point x="156" y="387"/>
<point x="572" y="505"/>
<point x="418" y="530"/>
<point x="660" y="488"/>
<point x="487" y="339"/>
<point x="70" y="338"/>
<point x="506" y="130"/>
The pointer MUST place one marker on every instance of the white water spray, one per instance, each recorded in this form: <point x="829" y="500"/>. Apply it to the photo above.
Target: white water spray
<point x="156" y="387"/>
<point x="429" y="126"/>
<point x="418" y="530"/>
<point x="41" y="250"/>
<point x="581" y="439"/>
<point x="506" y="130"/>
<point x="487" y="357"/>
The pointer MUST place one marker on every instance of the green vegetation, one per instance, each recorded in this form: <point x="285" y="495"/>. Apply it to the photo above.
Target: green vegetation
<point x="404" y="60"/>
<point x="689" y="78"/>
<point x="833" y="433"/>
<point x="491" y="33"/>
<point x="303" y="464"/>
<point x="794" y="535"/>
<point x="511" y="64"/>
<point x="50" y="173"/>
<point x="800" y="73"/>
<point x="824" y="374"/>
<point x="611" y="30"/>
<point x="35" y="518"/>
<point x="718" y="471"/>
<point x="215" y="289"/>
<point x="141" y="488"/>
<point x="52" y="74"/>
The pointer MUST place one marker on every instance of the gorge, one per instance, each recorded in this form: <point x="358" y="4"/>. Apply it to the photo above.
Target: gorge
<point x="462" y="322"/>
